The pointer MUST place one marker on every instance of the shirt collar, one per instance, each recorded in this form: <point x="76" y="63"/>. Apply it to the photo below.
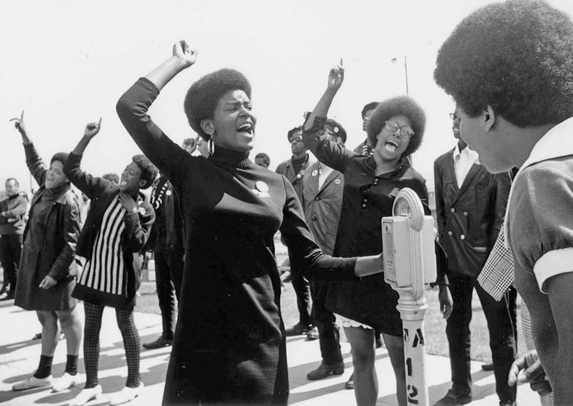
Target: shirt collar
<point x="556" y="143"/>
<point x="467" y="151"/>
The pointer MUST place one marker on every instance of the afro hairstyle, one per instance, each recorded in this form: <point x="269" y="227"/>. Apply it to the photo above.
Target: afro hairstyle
<point x="148" y="171"/>
<point x="203" y="96"/>
<point x="338" y="129"/>
<point x="516" y="57"/>
<point x="368" y="107"/>
<point x="398" y="106"/>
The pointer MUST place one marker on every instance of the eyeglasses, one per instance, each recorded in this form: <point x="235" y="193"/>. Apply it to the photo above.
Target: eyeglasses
<point x="405" y="132"/>
<point x="295" y="140"/>
<point x="454" y="117"/>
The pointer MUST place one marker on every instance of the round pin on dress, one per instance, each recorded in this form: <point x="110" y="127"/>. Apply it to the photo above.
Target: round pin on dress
<point x="261" y="186"/>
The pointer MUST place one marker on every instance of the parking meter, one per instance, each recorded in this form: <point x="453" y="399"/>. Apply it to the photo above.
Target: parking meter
<point x="409" y="265"/>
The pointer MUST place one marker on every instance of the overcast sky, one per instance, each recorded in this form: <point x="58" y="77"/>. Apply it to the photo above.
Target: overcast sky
<point x="67" y="62"/>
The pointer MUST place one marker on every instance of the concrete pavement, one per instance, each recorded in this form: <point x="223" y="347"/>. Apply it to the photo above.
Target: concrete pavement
<point x="19" y="356"/>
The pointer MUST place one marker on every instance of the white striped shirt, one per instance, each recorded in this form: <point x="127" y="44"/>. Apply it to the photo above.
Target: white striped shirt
<point x="104" y="270"/>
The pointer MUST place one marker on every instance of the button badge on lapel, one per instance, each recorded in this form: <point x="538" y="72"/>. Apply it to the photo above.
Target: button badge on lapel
<point x="261" y="189"/>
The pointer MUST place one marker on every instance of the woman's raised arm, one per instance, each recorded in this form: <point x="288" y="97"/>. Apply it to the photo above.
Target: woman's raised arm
<point x="132" y="109"/>
<point x="183" y="57"/>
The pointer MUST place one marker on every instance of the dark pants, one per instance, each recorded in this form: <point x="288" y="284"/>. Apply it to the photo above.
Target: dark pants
<point x="168" y="275"/>
<point x="302" y="289"/>
<point x="10" y="251"/>
<point x="500" y="318"/>
<point x="325" y="321"/>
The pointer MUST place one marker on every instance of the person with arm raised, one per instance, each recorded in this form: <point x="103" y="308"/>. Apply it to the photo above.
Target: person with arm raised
<point x="48" y="269"/>
<point x="229" y="344"/>
<point x="116" y="230"/>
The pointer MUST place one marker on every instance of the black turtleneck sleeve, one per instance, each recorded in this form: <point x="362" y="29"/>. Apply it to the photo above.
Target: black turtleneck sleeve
<point x="132" y="109"/>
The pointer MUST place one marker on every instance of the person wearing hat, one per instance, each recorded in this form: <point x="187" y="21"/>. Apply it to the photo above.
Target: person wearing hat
<point x="322" y="201"/>
<point x="364" y="148"/>
<point x="294" y="170"/>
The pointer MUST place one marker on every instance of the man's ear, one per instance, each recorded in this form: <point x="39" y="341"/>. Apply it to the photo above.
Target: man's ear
<point x="489" y="118"/>
<point x="142" y="183"/>
<point x="208" y="127"/>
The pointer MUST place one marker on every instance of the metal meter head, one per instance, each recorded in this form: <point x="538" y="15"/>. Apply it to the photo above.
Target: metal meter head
<point x="408" y="245"/>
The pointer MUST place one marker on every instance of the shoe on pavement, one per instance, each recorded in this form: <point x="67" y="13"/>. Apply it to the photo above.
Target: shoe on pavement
<point x="86" y="395"/>
<point x="312" y="334"/>
<point x="508" y="403"/>
<point x="66" y="382"/>
<point x="32" y="382"/>
<point x="7" y="296"/>
<point x="487" y="367"/>
<point x="454" y="399"/>
<point x="159" y="343"/>
<point x="350" y="383"/>
<point x="297" y="329"/>
<point x="126" y="395"/>
<point x="325" y="370"/>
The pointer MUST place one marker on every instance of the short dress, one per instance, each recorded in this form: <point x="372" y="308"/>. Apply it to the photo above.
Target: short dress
<point x="366" y="199"/>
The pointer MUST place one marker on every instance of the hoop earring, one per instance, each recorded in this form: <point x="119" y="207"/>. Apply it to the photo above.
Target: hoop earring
<point x="211" y="146"/>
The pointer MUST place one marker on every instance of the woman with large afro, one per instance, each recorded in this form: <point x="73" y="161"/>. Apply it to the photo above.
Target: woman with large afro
<point x="371" y="183"/>
<point x="229" y="345"/>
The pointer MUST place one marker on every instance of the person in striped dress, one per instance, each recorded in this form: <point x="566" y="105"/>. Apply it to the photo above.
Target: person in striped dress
<point x="116" y="229"/>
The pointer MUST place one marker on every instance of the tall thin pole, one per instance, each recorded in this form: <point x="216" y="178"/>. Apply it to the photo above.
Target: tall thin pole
<point x="406" y="72"/>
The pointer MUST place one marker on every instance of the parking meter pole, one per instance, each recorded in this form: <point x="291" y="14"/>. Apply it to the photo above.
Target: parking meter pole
<point x="409" y="264"/>
<point x="412" y="312"/>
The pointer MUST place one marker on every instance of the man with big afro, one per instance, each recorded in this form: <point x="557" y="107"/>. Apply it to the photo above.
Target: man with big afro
<point x="509" y="68"/>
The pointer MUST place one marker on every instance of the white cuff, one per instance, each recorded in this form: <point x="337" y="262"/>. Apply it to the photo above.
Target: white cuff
<point x="553" y="263"/>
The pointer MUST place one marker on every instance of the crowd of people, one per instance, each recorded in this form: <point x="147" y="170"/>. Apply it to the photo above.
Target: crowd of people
<point x="503" y="198"/>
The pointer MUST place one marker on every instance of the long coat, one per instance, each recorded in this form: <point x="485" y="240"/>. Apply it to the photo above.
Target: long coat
<point x="286" y="169"/>
<point x="469" y="217"/>
<point x="52" y="252"/>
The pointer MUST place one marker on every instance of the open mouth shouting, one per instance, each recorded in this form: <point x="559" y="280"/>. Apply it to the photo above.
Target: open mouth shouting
<point x="246" y="128"/>
<point x="391" y="146"/>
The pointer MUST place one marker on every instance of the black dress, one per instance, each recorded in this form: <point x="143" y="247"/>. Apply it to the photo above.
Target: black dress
<point x="229" y="345"/>
<point x="366" y="199"/>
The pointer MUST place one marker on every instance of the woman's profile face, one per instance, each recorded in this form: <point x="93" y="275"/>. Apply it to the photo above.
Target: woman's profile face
<point x="234" y="122"/>
<point x="391" y="144"/>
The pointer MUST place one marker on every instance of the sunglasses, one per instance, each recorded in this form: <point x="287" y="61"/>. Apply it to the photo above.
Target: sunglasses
<point x="405" y="132"/>
<point x="454" y="117"/>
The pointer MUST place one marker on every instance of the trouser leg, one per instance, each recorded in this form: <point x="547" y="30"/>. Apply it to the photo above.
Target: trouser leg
<point x="131" y="343"/>
<point x="501" y="326"/>
<point x="458" y="331"/>
<point x="92" y="327"/>
<point x="302" y="289"/>
<point x="165" y="293"/>
<point x="325" y="321"/>
<point x="11" y="249"/>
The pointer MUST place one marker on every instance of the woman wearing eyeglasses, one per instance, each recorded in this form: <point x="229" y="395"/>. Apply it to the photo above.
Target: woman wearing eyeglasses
<point x="395" y="129"/>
